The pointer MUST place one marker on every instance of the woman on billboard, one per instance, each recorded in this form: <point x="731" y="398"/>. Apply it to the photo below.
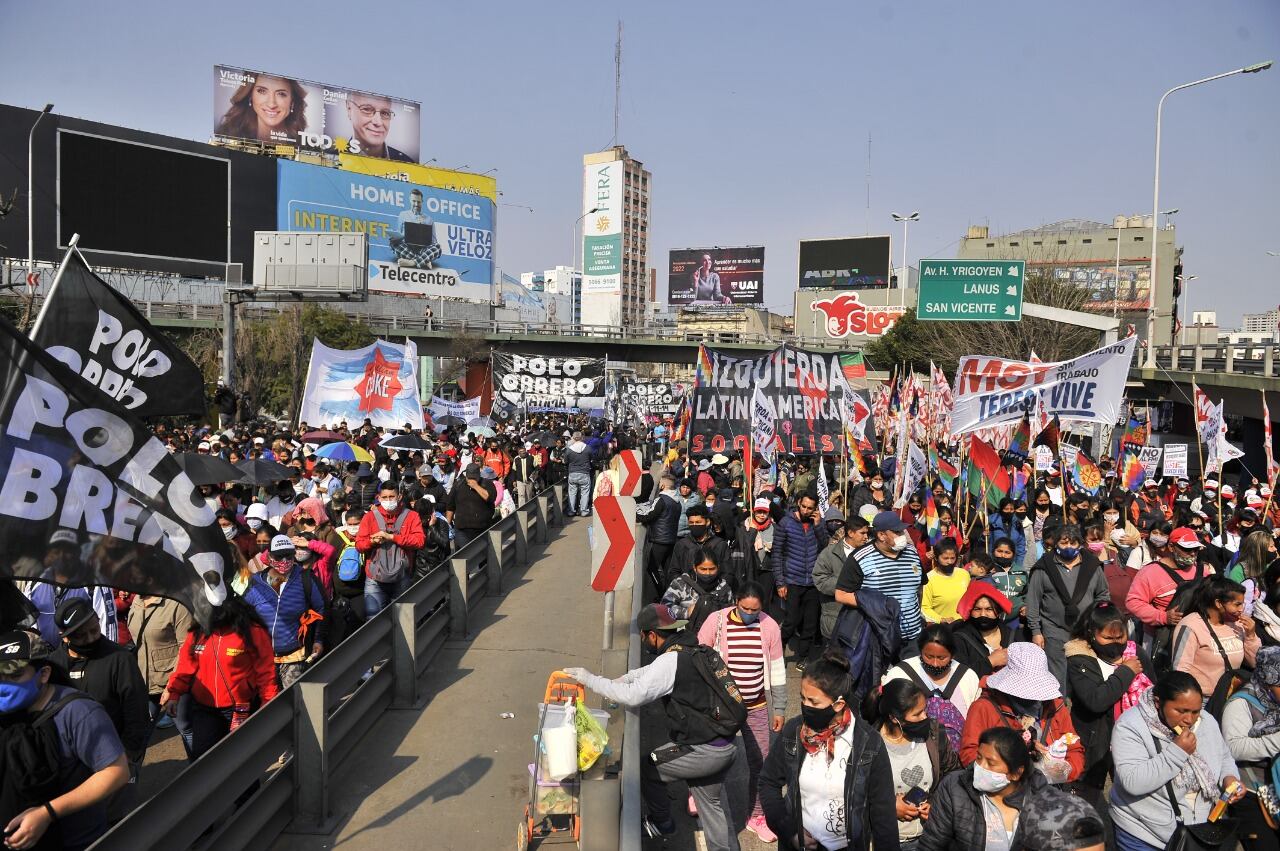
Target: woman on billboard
<point x="269" y="109"/>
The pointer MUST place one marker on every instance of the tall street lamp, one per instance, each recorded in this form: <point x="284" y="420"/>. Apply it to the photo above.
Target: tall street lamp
<point x="906" y="275"/>
<point x="1155" y="204"/>
<point x="573" y="256"/>
<point x="31" y="199"/>
<point x="1186" y="297"/>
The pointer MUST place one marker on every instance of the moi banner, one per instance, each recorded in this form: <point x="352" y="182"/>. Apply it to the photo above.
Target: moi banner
<point x="699" y="277"/>
<point x="422" y="240"/>
<point x="378" y="383"/>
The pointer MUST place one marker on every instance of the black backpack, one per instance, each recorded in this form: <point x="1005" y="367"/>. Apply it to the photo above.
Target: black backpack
<point x="705" y="703"/>
<point x="30" y="752"/>
<point x="1183" y="596"/>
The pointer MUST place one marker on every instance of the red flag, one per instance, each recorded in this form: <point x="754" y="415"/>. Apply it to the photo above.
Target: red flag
<point x="1273" y="469"/>
<point x="987" y="460"/>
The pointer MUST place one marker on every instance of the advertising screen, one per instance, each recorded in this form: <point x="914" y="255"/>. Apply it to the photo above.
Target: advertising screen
<point x="422" y="240"/>
<point x="850" y="263"/>
<point x="716" y="276"/>
<point x="1133" y="292"/>
<point x="275" y="110"/>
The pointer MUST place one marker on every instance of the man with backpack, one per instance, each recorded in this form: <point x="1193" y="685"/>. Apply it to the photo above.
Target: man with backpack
<point x="62" y="759"/>
<point x="1164" y="590"/>
<point x="390" y="536"/>
<point x="704" y="711"/>
<point x="347" y="574"/>
<point x="1067" y="580"/>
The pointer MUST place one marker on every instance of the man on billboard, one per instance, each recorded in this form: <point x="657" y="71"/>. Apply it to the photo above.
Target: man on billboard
<point x="706" y="285"/>
<point x="415" y="244"/>
<point x="370" y="117"/>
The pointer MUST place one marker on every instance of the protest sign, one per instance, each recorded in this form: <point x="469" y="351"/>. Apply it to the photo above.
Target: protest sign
<point x="378" y="382"/>
<point x="533" y="382"/>
<point x="1175" y="460"/>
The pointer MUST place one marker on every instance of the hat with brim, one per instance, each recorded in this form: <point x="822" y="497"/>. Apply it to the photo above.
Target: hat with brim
<point x="888" y="521"/>
<point x="719" y="459"/>
<point x="1026" y="676"/>
<point x="657" y="617"/>
<point x="704" y="464"/>
<point x="19" y="648"/>
<point x="975" y="592"/>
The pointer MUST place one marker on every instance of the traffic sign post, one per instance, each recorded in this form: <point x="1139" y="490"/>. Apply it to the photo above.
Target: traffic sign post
<point x="971" y="290"/>
<point x="627" y="467"/>
<point x="613" y="552"/>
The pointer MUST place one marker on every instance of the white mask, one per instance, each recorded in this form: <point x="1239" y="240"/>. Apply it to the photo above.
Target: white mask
<point x="987" y="781"/>
<point x="389" y="504"/>
<point x="229" y="532"/>
<point x="1111" y="517"/>
<point x="1158" y="540"/>
<point x="254" y="523"/>
<point x="351" y="530"/>
<point x="900" y="542"/>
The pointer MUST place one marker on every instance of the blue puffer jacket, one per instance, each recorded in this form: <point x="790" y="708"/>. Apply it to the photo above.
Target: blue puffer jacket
<point x="795" y="549"/>
<point x="282" y="612"/>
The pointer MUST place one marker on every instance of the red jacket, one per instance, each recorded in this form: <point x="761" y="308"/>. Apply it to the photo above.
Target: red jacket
<point x="219" y="670"/>
<point x="990" y="710"/>
<point x="498" y="460"/>
<point x="411" y="537"/>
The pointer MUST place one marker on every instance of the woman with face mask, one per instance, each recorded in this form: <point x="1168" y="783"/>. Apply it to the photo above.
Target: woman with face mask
<point x="919" y="753"/>
<point x="979" y="808"/>
<point x="822" y="784"/>
<point x="1159" y="593"/>
<point x="949" y="686"/>
<point x="1042" y="512"/>
<point x="694" y="595"/>
<point x="1005" y="523"/>
<point x="1064" y="582"/>
<point x="1215" y="638"/>
<point x="750" y="643"/>
<point x="871" y="491"/>
<point x="1251" y="727"/>
<point x="982" y="636"/>
<point x="234" y="531"/>
<point x="1171" y="765"/>
<point x="288" y="603"/>
<point x="1153" y="543"/>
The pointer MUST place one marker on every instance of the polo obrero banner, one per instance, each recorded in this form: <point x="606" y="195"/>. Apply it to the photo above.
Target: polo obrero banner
<point x="530" y="382"/>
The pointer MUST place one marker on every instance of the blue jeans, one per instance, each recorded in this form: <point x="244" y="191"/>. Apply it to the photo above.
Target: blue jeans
<point x="378" y="595"/>
<point x="1127" y="842"/>
<point x="579" y="492"/>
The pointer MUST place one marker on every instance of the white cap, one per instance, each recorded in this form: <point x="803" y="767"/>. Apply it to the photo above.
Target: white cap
<point x="204" y="444"/>
<point x="258" y="441"/>
<point x="257" y="511"/>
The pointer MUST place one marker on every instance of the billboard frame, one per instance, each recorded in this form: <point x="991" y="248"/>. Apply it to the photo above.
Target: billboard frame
<point x="800" y="269"/>
<point x="759" y="303"/>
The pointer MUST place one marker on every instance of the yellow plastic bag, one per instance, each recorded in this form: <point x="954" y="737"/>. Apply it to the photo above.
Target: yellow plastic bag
<point x="591" y="737"/>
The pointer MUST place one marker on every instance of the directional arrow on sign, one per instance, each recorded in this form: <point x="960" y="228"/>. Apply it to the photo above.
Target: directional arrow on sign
<point x="614" y="532"/>
<point x="629" y="472"/>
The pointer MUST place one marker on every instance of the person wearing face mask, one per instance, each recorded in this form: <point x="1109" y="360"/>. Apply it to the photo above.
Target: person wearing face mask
<point x="829" y="567"/>
<point x="1147" y="507"/>
<point x="693" y="596"/>
<point x="950" y="687"/>
<point x="755" y="541"/>
<point x="1161" y="592"/>
<point x="945" y="584"/>
<point x="1171" y="765"/>
<point x="702" y="722"/>
<point x="240" y="536"/>
<point x="1010" y="576"/>
<point x="823" y="783"/>
<point x="1242" y="522"/>
<point x="1065" y="581"/>
<point x="1004" y="524"/>
<point x="982" y="636"/>
<point x="871" y="491"/>
<point x="390" y="536"/>
<point x="750" y="643"/>
<point x="63" y="804"/>
<point x="1153" y="539"/>
<point x="920" y="754"/>
<point x="255" y="517"/>
<point x="1251" y="727"/>
<point x="1214" y="639"/>
<point x="348" y="571"/>
<point x="288" y="599"/>
<point x="700" y="539"/>
<point x="891" y="566"/>
<point x="282" y="501"/>
<point x="982" y="807"/>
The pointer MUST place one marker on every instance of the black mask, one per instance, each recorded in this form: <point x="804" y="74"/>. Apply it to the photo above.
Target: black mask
<point x="916" y="731"/>
<point x="944" y="569"/>
<point x="1003" y="561"/>
<point x="699" y="532"/>
<point x="1108" y="653"/>
<point x="1029" y="708"/>
<point x="985" y="624"/>
<point x="708" y="581"/>
<point x="818" y="719"/>
<point x="935" y="670"/>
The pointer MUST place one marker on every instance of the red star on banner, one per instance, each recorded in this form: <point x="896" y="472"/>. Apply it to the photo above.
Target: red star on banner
<point x="380" y="385"/>
<point x="810" y="390"/>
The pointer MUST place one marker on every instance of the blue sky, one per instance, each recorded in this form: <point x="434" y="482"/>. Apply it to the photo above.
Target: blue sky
<point x="753" y="117"/>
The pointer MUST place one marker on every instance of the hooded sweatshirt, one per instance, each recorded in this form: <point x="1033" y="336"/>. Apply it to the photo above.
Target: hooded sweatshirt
<point x="577" y="458"/>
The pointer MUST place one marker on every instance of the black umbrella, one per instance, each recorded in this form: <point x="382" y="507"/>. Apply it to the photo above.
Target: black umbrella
<point x="207" y="469"/>
<point x="408" y="442"/>
<point x="545" y="438"/>
<point x="258" y="471"/>
<point x="449" y="421"/>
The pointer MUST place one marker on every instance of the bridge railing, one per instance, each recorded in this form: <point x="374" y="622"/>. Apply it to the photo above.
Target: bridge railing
<point x="1259" y="359"/>
<point x="281" y="761"/>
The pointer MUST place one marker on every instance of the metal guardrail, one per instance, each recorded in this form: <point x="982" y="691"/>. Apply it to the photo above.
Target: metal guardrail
<point x="630" y="821"/>
<point x="1258" y="359"/>
<point x="290" y="748"/>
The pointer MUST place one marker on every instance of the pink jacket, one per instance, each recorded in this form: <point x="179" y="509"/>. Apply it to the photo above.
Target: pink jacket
<point x="1151" y="591"/>
<point x="712" y="634"/>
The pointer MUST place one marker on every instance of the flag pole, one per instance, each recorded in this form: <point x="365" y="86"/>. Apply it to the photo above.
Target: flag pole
<point x="48" y="297"/>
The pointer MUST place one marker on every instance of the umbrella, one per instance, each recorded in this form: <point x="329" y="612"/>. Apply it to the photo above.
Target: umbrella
<point x="480" y="421"/>
<point x="410" y="442"/>
<point x="481" y="431"/>
<point x="546" y="438"/>
<point x="207" y="469"/>
<point x="322" y="437"/>
<point x="258" y="471"/>
<point x="450" y="421"/>
<point x="344" y="452"/>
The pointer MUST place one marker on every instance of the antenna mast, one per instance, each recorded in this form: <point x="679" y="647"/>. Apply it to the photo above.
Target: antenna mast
<point x="617" y="82"/>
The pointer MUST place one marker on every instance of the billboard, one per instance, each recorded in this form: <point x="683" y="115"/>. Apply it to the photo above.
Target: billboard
<point x="422" y="240"/>
<point x="423" y="175"/>
<point x="1098" y="280"/>
<point x="602" y="229"/>
<point x="848" y="263"/>
<point x="258" y="107"/>
<point x="700" y="277"/>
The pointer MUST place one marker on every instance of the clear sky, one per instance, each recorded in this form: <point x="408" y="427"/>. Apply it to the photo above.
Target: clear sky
<point x="753" y="117"/>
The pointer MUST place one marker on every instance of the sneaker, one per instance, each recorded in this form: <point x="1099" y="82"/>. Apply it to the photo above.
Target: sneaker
<point x="165" y="722"/>
<point x="693" y="807"/>
<point x="800" y="666"/>
<point x="761" y="829"/>
<point x="654" y="829"/>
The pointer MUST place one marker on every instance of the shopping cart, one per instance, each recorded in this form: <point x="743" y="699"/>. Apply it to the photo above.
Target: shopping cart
<point x="553" y="805"/>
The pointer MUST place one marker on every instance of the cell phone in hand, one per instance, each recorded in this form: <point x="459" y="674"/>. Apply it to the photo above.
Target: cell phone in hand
<point x="915" y="796"/>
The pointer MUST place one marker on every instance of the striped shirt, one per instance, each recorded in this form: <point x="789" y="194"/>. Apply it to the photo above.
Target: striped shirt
<point x="898" y="578"/>
<point x="745" y="658"/>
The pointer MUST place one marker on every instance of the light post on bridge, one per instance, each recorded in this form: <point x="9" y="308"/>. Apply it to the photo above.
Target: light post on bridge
<point x="906" y="276"/>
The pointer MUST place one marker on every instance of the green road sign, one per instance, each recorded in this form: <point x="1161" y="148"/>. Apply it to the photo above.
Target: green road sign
<point x="971" y="290"/>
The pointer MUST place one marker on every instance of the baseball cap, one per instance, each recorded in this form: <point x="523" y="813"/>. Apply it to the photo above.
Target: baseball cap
<point x="887" y="521"/>
<point x="1185" y="538"/>
<point x="1254" y="501"/>
<point x="258" y="441"/>
<point x="281" y="546"/>
<point x="658" y="617"/>
<point x="1228" y="491"/>
<point x="19" y="647"/>
<point x="64" y="536"/>
<point x="761" y="504"/>
<point x="72" y="614"/>
<point x="488" y="474"/>
<point x="1210" y="485"/>
<point x="204" y="444"/>
<point x="424" y="471"/>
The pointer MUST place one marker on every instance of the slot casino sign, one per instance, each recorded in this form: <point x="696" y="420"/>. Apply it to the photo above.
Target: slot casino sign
<point x="805" y="390"/>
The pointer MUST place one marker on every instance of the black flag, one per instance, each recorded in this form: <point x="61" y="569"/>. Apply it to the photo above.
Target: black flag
<point x="80" y="473"/>
<point x="99" y="334"/>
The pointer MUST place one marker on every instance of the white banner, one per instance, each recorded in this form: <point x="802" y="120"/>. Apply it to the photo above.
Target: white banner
<point x="1150" y="457"/>
<point x="992" y="391"/>
<point x="762" y="425"/>
<point x="466" y="410"/>
<point x="917" y="464"/>
<point x="1175" y="461"/>
<point x="1044" y="458"/>
<point x="378" y="382"/>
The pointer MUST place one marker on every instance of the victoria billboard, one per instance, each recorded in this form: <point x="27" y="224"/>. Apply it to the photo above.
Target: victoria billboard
<point x="849" y="263"/>
<point x="700" y="277"/>
<point x="275" y="110"/>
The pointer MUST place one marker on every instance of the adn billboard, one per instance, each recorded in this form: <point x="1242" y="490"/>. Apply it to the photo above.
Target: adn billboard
<point x="700" y="277"/>
<point x="259" y="107"/>
<point x="847" y="263"/>
<point x="422" y="240"/>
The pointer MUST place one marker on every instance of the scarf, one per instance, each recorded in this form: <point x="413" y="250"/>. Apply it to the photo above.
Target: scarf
<point x="1195" y="775"/>
<point x="1140" y="684"/>
<point x="1267" y="618"/>
<point x="825" y="739"/>
<point x="1266" y="673"/>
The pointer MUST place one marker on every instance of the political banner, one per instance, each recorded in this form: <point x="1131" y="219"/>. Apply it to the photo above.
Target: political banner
<point x="102" y="337"/>
<point x="423" y="240"/>
<point x="1175" y="461"/>
<point x="992" y="391"/>
<point x="1150" y="458"/>
<point x="1044" y="459"/>
<point x="651" y="398"/>
<point x="917" y="466"/>
<point x="257" y="107"/>
<point x="763" y="425"/>
<point x="465" y="410"/>
<point x="378" y="383"/>
<point x="537" y="382"/>
<point x="805" y="389"/>
<point x="704" y="277"/>
<point x="88" y="496"/>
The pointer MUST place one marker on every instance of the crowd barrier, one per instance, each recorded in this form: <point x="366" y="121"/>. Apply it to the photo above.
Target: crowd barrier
<point x="284" y="756"/>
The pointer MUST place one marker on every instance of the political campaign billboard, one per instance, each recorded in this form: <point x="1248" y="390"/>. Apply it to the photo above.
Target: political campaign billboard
<point x="849" y="263"/>
<point x="422" y="240"/>
<point x="706" y="277"/>
<point x="272" y="109"/>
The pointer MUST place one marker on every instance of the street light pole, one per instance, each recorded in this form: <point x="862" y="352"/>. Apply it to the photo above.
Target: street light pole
<point x="31" y="202"/>
<point x="1155" y="203"/>
<point x="573" y="255"/>
<point x="906" y="275"/>
<point x="1186" y="293"/>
